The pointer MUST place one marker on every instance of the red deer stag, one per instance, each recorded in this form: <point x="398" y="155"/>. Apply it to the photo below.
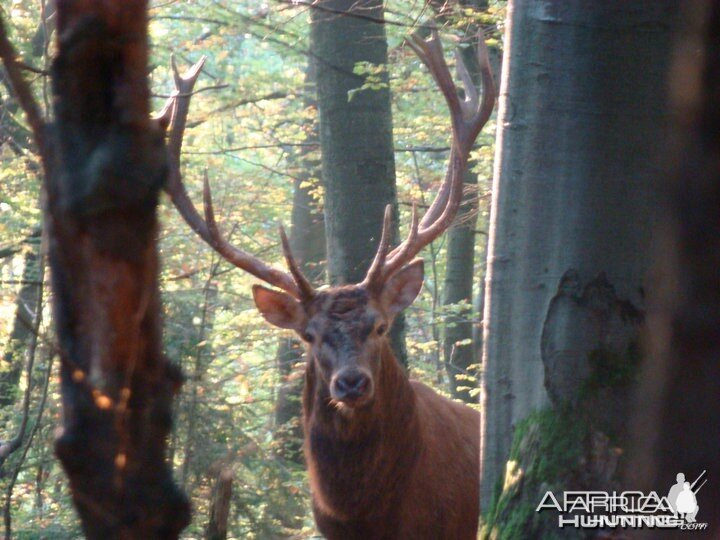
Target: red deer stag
<point x="388" y="458"/>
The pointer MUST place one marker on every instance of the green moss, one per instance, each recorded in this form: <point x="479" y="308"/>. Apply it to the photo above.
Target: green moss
<point x="546" y="454"/>
<point x="612" y="369"/>
<point x="558" y="436"/>
<point x="516" y="526"/>
<point x="551" y="451"/>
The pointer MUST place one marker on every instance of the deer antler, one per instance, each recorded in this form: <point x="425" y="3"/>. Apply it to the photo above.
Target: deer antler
<point x="468" y="117"/>
<point x="175" y="113"/>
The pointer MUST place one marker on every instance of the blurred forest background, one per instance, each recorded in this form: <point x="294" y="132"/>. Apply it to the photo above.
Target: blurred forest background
<point x="253" y="127"/>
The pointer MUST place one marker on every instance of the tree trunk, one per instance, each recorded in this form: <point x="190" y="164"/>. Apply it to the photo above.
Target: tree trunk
<point x="307" y="241"/>
<point x="203" y="356"/>
<point x="21" y="333"/>
<point x="358" y="164"/>
<point x="676" y="414"/>
<point x="459" y="274"/>
<point x="581" y="113"/>
<point x="220" y="505"/>
<point x="103" y="183"/>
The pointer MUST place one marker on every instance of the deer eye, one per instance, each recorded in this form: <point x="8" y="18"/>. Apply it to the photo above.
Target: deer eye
<point x="381" y="329"/>
<point x="307" y="336"/>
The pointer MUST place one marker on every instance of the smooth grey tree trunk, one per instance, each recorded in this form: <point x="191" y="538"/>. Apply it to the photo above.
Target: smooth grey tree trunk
<point x="581" y="112"/>
<point x="307" y="241"/>
<point x="457" y="288"/>
<point x="458" y="347"/>
<point x="358" y="164"/>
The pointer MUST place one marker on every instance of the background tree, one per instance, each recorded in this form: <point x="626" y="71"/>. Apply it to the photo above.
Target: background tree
<point x="581" y="114"/>
<point x="356" y="136"/>
<point x="307" y="241"/>
<point x="459" y="345"/>
<point x="26" y="311"/>
<point x="103" y="175"/>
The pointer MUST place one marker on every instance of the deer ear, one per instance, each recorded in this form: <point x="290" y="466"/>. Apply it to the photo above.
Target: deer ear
<point x="278" y="308"/>
<point x="403" y="287"/>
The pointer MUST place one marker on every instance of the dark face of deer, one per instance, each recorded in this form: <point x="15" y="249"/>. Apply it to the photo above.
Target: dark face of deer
<point x="344" y="328"/>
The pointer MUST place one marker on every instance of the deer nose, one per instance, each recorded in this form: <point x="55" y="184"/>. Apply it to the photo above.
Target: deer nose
<point x="351" y="385"/>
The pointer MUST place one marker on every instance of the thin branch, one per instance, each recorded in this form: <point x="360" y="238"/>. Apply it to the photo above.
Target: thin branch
<point x="33" y="69"/>
<point x="8" y="252"/>
<point x="189" y="19"/>
<point x="204" y="89"/>
<point x="7" y="448"/>
<point x="354" y="14"/>
<point x="21" y="90"/>
<point x="397" y="149"/>
<point x="11" y="486"/>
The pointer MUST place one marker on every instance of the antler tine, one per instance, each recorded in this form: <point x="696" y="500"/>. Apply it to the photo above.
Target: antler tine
<point x="467" y="118"/>
<point x="304" y="286"/>
<point x="472" y="98"/>
<point x="184" y="84"/>
<point x="375" y="273"/>
<point x="207" y="228"/>
<point x="209" y="210"/>
<point x="430" y="52"/>
<point x="240" y="258"/>
<point x="177" y="107"/>
<point x="401" y="252"/>
<point x="488" y="81"/>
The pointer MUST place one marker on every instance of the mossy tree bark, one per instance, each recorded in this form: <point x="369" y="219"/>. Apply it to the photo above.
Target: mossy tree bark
<point x="358" y="164"/>
<point x="581" y="115"/>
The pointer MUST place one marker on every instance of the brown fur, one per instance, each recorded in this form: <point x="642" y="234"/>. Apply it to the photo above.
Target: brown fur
<point x="405" y="467"/>
<point x="388" y="458"/>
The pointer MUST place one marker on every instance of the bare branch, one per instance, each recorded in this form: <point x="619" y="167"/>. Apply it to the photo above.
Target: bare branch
<point x="8" y="447"/>
<point x="22" y="90"/>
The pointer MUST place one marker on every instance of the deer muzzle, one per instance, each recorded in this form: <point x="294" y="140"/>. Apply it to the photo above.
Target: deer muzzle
<point x="352" y="387"/>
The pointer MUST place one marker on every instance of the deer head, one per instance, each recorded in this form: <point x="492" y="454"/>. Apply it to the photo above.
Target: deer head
<point x="345" y="328"/>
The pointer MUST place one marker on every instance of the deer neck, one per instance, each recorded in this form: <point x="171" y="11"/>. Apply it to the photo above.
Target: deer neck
<point x="354" y="460"/>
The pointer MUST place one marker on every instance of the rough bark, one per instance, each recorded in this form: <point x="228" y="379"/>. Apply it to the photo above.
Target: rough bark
<point x="581" y="113"/>
<point x="677" y="411"/>
<point x="220" y="506"/>
<point x="103" y="184"/>
<point x="21" y="333"/>
<point x="358" y="164"/>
